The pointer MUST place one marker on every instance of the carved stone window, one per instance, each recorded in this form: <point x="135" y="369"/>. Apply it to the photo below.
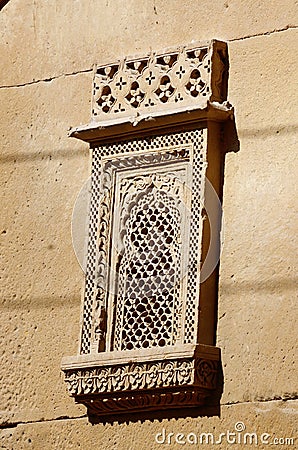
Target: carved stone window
<point x="148" y="320"/>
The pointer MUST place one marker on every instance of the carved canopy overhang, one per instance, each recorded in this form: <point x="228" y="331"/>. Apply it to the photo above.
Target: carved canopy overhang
<point x="148" y="124"/>
<point x="148" y="317"/>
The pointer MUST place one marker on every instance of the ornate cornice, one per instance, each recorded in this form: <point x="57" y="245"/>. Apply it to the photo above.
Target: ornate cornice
<point x="121" y="387"/>
<point x="158" y="90"/>
<point x="177" y="78"/>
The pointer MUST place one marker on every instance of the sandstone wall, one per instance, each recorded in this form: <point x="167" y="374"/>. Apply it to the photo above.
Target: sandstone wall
<point x="48" y="50"/>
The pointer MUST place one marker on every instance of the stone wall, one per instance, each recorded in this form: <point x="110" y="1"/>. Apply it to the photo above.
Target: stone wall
<point x="48" y="50"/>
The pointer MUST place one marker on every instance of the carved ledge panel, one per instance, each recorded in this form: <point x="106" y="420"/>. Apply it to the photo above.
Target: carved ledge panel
<point x="170" y="382"/>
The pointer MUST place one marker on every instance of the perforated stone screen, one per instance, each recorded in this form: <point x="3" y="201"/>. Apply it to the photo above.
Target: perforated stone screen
<point x="158" y="161"/>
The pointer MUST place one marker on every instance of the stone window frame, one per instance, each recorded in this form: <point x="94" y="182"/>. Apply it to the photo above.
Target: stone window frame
<point x="144" y="133"/>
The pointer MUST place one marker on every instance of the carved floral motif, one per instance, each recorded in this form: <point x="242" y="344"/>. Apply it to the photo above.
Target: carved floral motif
<point x="138" y="376"/>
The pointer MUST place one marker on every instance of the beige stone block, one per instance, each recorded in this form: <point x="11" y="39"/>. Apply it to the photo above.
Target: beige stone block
<point x="45" y="39"/>
<point x="266" y="425"/>
<point x="257" y="295"/>
<point x="262" y="85"/>
<point x="41" y="173"/>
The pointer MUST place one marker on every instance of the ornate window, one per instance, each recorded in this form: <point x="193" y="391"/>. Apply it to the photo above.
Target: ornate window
<point x="148" y="321"/>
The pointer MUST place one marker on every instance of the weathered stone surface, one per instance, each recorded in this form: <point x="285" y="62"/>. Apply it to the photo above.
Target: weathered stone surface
<point x="42" y="171"/>
<point x="257" y="304"/>
<point x="69" y="36"/>
<point x="267" y="421"/>
<point x="261" y="85"/>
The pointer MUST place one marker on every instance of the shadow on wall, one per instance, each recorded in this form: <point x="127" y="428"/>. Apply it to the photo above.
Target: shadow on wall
<point x="232" y="144"/>
<point x="3" y="3"/>
<point x="231" y="141"/>
<point x="53" y="154"/>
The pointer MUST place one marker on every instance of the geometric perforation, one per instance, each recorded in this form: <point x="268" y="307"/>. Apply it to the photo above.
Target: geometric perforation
<point x="148" y="274"/>
<point x="194" y="137"/>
